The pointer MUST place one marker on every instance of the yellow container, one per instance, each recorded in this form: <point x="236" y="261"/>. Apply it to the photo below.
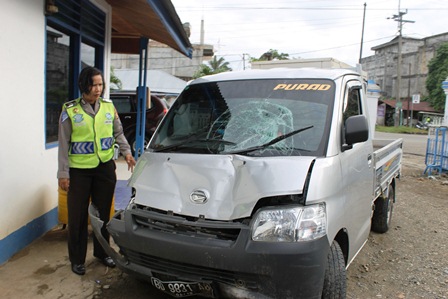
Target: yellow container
<point x="62" y="207"/>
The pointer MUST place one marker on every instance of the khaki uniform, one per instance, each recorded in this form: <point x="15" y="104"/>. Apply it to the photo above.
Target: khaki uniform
<point x="65" y="131"/>
<point x="87" y="183"/>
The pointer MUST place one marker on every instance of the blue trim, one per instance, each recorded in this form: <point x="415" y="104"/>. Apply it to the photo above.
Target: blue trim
<point x="25" y="235"/>
<point x="161" y="10"/>
<point x="141" y="98"/>
<point x="51" y="144"/>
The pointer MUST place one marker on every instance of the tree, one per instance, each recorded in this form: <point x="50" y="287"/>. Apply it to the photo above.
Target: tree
<point x="214" y="66"/>
<point x="272" y="54"/>
<point x="115" y="82"/>
<point x="437" y="73"/>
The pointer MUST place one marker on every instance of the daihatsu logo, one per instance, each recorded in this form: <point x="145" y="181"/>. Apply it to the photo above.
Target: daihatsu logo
<point x="199" y="196"/>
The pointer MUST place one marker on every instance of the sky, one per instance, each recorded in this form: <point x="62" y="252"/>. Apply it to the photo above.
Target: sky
<point x="307" y="28"/>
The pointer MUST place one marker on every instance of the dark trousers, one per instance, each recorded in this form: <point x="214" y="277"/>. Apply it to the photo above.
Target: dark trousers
<point x="97" y="184"/>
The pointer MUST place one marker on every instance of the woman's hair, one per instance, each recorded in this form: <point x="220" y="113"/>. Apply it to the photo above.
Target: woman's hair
<point x="85" y="80"/>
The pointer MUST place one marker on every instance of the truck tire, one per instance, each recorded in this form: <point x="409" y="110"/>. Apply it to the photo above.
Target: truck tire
<point x="335" y="280"/>
<point x="382" y="215"/>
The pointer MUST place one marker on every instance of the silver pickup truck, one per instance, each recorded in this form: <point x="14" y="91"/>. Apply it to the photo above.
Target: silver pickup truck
<point x="257" y="184"/>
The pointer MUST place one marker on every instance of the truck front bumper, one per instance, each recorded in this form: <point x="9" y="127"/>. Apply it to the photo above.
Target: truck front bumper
<point x="233" y="264"/>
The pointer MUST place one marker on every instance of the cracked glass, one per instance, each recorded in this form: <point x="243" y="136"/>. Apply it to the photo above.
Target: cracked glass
<point x="232" y="116"/>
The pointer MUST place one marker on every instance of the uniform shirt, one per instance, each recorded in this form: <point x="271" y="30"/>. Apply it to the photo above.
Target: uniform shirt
<point x="65" y="132"/>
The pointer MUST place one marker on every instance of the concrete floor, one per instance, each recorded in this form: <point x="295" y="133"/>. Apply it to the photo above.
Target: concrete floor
<point x="42" y="269"/>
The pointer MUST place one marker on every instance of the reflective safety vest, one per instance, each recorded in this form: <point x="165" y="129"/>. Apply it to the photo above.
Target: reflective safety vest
<point x="92" y="138"/>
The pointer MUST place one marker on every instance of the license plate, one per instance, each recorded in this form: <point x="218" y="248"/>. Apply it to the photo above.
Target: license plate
<point x="182" y="288"/>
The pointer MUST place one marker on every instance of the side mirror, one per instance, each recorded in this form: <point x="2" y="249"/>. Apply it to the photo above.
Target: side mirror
<point x="356" y="130"/>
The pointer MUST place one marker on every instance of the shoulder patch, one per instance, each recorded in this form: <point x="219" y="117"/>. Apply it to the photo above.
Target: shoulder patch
<point x="70" y="104"/>
<point x="64" y="116"/>
<point x="106" y="100"/>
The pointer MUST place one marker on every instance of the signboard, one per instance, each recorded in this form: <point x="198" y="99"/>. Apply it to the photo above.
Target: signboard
<point x="415" y="99"/>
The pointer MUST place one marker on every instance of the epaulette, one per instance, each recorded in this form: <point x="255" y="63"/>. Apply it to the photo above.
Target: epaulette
<point x="107" y="100"/>
<point x="70" y="104"/>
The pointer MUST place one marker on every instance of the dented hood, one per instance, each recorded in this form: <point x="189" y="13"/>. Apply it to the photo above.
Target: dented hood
<point x="220" y="187"/>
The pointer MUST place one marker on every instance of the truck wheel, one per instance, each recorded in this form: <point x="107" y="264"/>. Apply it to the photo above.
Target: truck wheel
<point x="335" y="281"/>
<point x="383" y="212"/>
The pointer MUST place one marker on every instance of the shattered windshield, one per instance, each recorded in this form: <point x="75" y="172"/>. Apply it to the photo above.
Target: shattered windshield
<point x="268" y="117"/>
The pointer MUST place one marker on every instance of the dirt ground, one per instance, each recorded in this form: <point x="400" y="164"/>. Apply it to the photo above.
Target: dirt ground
<point x="411" y="260"/>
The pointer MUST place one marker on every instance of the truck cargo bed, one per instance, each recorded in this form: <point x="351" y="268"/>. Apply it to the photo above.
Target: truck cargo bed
<point x="387" y="157"/>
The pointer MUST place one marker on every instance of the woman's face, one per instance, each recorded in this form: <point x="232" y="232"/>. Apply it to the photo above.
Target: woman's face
<point x="95" y="90"/>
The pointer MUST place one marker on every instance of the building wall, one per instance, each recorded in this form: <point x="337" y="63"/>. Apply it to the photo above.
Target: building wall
<point x="28" y="167"/>
<point x="164" y="58"/>
<point x="28" y="170"/>
<point x="416" y="54"/>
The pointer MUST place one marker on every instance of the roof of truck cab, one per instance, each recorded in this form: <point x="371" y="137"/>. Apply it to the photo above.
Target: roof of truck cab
<point x="278" y="73"/>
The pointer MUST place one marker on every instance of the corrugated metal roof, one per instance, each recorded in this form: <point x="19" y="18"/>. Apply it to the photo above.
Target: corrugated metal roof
<point x="157" y="81"/>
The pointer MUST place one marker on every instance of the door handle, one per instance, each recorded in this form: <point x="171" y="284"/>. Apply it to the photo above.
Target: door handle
<point x="369" y="160"/>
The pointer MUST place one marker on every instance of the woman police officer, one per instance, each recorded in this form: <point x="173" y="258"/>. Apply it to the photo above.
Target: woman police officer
<point x="88" y="129"/>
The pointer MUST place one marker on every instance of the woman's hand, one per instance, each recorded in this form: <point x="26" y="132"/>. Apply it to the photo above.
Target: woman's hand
<point x="64" y="184"/>
<point x="131" y="162"/>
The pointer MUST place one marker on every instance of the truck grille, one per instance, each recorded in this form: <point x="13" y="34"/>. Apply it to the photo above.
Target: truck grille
<point x="188" y="226"/>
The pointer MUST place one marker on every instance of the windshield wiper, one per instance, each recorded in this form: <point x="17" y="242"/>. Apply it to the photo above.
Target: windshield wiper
<point x="192" y="138"/>
<point x="263" y="146"/>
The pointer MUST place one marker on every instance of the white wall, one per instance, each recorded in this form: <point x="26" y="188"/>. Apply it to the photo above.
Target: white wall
<point x="28" y="184"/>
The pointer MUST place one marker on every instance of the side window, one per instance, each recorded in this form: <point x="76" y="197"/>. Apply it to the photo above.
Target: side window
<point x="353" y="103"/>
<point x="352" y="106"/>
<point x="122" y="104"/>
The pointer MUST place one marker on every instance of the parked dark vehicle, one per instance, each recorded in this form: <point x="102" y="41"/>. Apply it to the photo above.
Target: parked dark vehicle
<point x="126" y="104"/>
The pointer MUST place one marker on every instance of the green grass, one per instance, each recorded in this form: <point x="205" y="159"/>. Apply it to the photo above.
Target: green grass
<point x="400" y="129"/>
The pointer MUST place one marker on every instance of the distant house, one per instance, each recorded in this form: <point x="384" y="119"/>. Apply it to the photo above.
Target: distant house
<point x="387" y="108"/>
<point x="166" y="59"/>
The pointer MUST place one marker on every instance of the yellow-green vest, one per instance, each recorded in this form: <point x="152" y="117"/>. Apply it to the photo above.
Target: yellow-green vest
<point x="92" y="138"/>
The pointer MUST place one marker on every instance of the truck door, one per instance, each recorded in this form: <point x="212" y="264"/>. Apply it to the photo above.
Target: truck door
<point x="357" y="172"/>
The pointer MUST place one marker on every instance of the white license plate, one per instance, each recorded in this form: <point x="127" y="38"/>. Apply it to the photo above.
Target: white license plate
<point x="182" y="288"/>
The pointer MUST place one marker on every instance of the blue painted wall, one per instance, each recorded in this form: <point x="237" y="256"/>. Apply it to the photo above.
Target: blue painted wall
<point x="24" y="236"/>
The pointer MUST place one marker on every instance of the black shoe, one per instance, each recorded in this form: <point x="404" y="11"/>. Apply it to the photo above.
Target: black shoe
<point x="79" y="269"/>
<point x="108" y="261"/>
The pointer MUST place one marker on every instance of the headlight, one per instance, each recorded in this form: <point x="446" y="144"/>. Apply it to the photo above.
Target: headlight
<point x="293" y="224"/>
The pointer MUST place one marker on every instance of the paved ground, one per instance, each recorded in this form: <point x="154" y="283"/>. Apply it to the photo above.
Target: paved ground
<point x="42" y="270"/>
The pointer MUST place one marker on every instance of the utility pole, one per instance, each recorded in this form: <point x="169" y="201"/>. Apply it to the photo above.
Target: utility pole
<point x="398" y="119"/>
<point x="409" y="98"/>
<point x="362" y="33"/>
<point x="244" y="60"/>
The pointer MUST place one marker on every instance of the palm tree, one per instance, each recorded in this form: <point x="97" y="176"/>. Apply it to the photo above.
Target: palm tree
<point x="214" y="66"/>
<point x="219" y="65"/>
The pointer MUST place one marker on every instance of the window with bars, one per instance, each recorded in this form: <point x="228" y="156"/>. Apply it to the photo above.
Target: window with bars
<point x="75" y="38"/>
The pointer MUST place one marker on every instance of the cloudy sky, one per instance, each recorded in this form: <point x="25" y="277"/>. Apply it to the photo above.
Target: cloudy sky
<point x="307" y="28"/>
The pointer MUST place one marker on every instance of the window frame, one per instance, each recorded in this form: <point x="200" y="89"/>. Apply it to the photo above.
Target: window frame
<point x="84" y="23"/>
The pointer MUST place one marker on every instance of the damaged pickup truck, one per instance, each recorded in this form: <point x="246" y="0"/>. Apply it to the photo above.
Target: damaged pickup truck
<point x="257" y="184"/>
